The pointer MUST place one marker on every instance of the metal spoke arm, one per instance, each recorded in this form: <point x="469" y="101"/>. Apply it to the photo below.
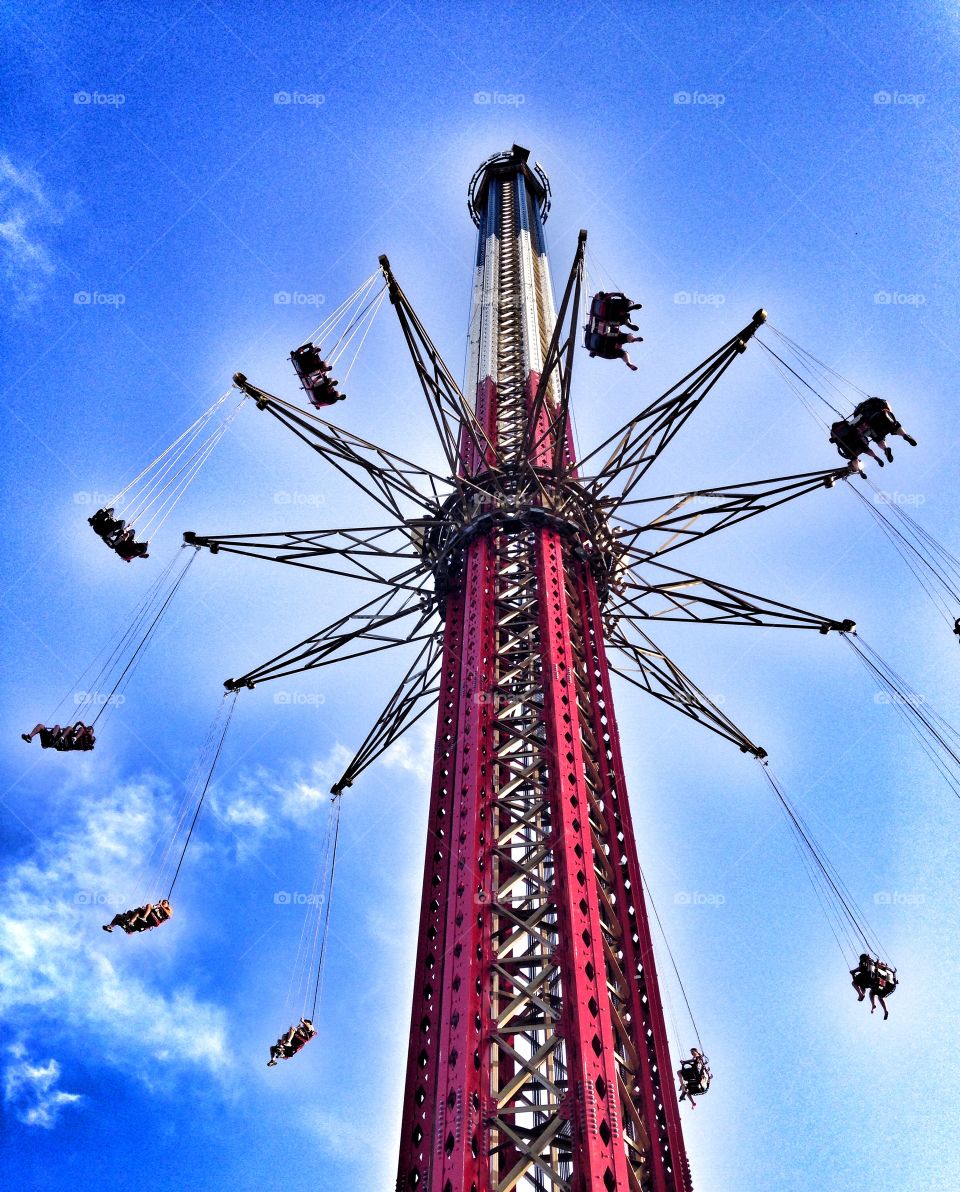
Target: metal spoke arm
<point x="450" y="410"/>
<point x="637" y="444"/>
<point x="387" y="478"/>
<point x="365" y="553"/>
<point x="417" y="693"/>
<point x="682" y="596"/>
<point x="370" y="629"/>
<point x="652" y="671"/>
<point x="680" y="518"/>
<point x="559" y="359"/>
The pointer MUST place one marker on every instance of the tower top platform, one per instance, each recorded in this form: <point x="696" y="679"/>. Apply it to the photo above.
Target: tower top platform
<point x="510" y="161"/>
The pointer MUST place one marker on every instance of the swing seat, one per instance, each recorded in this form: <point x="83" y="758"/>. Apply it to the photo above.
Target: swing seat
<point x="307" y="360"/>
<point x="884" y="979"/>
<point x="603" y="345"/>
<point x="695" y="1077"/>
<point x="322" y="393"/>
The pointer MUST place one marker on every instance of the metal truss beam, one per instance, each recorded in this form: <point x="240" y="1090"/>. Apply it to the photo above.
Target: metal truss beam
<point x="454" y="420"/>
<point x="384" y="476"/>
<point x="417" y="693"/>
<point x="558" y="364"/>
<point x="365" y="553"/>
<point x="680" y="518"/>
<point x="652" y="671"/>
<point x="635" y="447"/>
<point x="369" y="629"/>
<point x="672" y="595"/>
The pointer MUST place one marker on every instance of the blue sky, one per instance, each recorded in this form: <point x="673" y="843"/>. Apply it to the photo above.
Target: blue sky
<point x="186" y="198"/>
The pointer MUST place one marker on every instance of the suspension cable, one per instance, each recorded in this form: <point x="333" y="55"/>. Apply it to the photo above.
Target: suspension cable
<point x="301" y="973"/>
<point x="131" y="662"/>
<point x="663" y="934"/>
<point x="188" y="435"/>
<point x="231" y="703"/>
<point x="822" y="871"/>
<point x="813" y="362"/>
<point x="357" y="297"/>
<point x="916" y="558"/>
<point x="189" y="787"/>
<point x="794" y="373"/>
<point x="109" y="652"/>
<point x="176" y="475"/>
<point x="378" y="300"/>
<point x="329" y="903"/>
<point x="937" y="737"/>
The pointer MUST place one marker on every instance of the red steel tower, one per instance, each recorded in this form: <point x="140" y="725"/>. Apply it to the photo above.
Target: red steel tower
<point x="538" y="1056"/>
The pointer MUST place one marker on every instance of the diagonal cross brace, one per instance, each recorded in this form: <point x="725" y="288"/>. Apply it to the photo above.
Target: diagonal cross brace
<point x="660" y="677"/>
<point x="639" y="442"/>
<point x="417" y="693"/>
<point x="355" y="552"/>
<point x="684" y="596"/>
<point x="371" y="628"/>
<point x="390" y="478"/>
<point x="678" y="516"/>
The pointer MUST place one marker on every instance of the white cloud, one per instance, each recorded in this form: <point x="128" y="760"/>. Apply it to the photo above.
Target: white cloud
<point x="30" y="1092"/>
<point x="61" y="977"/>
<point x="24" y="211"/>
<point x="59" y="971"/>
<point x="261" y="803"/>
<point x="413" y="753"/>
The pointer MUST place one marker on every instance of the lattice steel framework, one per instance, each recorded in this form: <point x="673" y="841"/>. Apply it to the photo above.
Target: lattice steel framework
<point x="538" y="1055"/>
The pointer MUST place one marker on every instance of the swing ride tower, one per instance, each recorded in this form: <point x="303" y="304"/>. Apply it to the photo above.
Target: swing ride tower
<point x="538" y="1053"/>
<point x="538" y="1056"/>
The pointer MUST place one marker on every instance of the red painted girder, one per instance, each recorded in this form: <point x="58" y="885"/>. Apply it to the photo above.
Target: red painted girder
<point x="541" y="443"/>
<point x="419" y="1104"/>
<point x="486" y="412"/>
<point x="461" y="1160"/>
<point x="625" y="865"/>
<point x="599" y="1158"/>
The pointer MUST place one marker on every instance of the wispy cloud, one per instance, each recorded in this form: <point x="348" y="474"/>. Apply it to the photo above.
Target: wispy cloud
<point x="413" y="753"/>
<point x="58" y="970"/>
<point x="30" y="1090"/>
<point x="26" y="213"/>
<point x="263" y="802"/>
<point x="60" y="977"/>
